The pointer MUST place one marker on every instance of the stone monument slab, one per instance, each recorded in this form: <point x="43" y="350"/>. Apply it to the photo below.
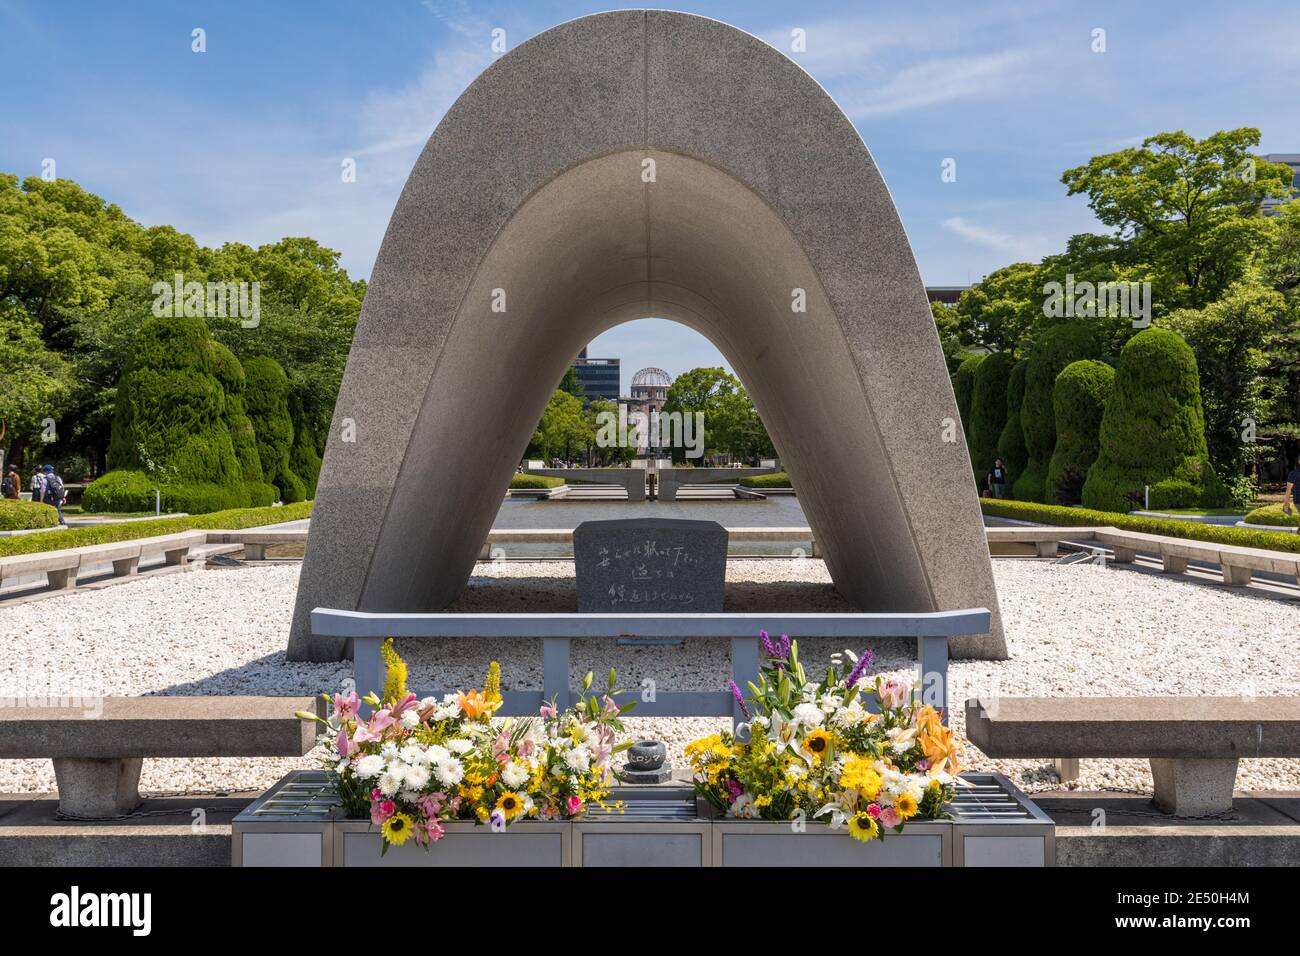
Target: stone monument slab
<point x="650" y="565"/>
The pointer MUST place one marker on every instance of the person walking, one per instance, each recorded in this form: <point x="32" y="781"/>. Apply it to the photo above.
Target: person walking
<point x="1291" y="500"/>
<point x="38" y="485"/>
<point x="12" y="484"/>
<point x="54" y="493"/>
<point x="998" y="479"/>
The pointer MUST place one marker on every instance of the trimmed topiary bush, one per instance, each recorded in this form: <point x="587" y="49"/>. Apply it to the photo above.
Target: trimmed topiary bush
<point x="266" y="395"/>
<point x="304" y="460"/>
<point x="1079" y="400"/>
<point x="24" y="515"/>
<point x="231" y="375"/>
<point x="1011" y="443"/>
<point x="170" y="423"/>
<point x="1153" y="431"/>
<point x="988" y="411"/>
<point x="1273" y="514"/>
<point x="122" y="490"/>
<point x="1055" y="348"/>
<point x="963" y="387"/>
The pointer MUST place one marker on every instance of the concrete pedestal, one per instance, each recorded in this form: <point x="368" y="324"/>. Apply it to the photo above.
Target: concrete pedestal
<point x="92" y="787"/>
<point x="1191" y="788"/>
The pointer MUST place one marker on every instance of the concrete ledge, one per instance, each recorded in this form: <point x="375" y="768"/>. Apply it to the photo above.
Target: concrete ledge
<point x="160" y="727"/>
<point x="1108" y="829"/>
<point x="31" y="834"/>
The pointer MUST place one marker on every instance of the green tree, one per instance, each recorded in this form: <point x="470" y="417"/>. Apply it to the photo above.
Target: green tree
<point x="999" y="311"/>
<point x="740" y="431"/>
<point x="570" y="382"/>
<point x="1153" y="431"/>
<point x="703" y="390"/>
<point x="1229" y="338"/>
<point x="947" y="324"/>
<point x="989" y="412"/>
<point x="1011" y="443"/>
<point x="1188" y="207"/>
<point x="1079" y="399"/>
<point x="564" y="430"/>
<point x="266" y="395"/>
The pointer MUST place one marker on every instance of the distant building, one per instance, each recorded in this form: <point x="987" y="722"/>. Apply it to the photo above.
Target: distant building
<point x="947" y="294"/>
<point x="1292" y="160"/>
<point x="649" y="392"/>
<point x="600" y="378"/>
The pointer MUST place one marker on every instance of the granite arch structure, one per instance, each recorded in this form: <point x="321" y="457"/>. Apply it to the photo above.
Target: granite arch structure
<point x="624" y="165"/>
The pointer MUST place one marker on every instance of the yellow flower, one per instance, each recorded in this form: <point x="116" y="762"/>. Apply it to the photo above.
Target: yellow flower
<point x="510" y="804"/>
<point x="817" y="743"/>
<point x="858" y="774"/>
<point x="906" y="806"/>
<point x="397" y="828"/>
<point x="470" y="793"/>
<point x="763" y="801"/>
<point x="482" y="813"/>
<point x="863" y="828"/>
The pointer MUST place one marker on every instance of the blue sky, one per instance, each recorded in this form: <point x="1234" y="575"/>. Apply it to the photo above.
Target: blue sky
<point x="244" y="142"/>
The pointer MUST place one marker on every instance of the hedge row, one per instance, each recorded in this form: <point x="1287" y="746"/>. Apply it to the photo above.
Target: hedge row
<point x="232" y="520"/>
<point x="23" y="515"/>
<point x="1169" y="527"/>
<point x="777" y="479"/>
<point x="535" y="481"/>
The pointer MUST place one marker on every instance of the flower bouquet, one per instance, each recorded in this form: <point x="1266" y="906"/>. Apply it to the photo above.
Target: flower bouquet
<point x="414" y="764"/>
<point x="815" y="751"/>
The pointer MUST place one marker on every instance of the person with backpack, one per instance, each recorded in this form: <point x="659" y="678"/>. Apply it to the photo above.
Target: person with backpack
<point x="11" y="485"/>
<point x="38" y="485"/>
<point x="54" y="493"/>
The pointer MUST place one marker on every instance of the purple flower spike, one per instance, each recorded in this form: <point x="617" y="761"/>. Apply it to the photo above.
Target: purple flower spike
<point x="785" y="646"/>
<point x="863" y="663"/>
<point x="767" y="644"/>
<point x="735" y="692"/>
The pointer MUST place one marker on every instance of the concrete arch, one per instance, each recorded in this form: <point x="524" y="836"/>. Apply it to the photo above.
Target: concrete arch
<point x="533" y="184"/>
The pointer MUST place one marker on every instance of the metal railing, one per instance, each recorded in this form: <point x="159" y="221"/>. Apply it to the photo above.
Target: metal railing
<point x="368" y="630"/>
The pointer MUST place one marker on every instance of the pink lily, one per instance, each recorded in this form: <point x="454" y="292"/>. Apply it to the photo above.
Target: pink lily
<point x="547" y="711"/>
<point x="342" y="743"/>
<point x="409" y="701"/>
<point x="346" y="705"/>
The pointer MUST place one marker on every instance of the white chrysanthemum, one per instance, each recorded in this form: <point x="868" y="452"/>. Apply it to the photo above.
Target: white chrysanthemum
<point x="579" y="759"/>
<point x="459" y="746"/>
<point x="371" y="765"/>
<point x="389" y="783"/>
<point x="413" y="754"/>
<point x="849" y="716"/>
<point x="410" y="718"/>
<point x="416" y="776"/>
<point x="436" y="753"/>
<point x="808" y="716"/>
<point x="450" y="772"/>
<point x="514" y="775"/>
<point x="388" y="750"/>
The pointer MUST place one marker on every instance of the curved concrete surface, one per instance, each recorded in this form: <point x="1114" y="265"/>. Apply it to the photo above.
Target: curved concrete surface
<point x="534" y="187"/>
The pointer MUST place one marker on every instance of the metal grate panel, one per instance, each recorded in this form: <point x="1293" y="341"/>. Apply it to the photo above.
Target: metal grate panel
<point x="990" y="798"/>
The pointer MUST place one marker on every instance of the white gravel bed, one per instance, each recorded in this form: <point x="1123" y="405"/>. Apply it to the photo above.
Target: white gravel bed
<point x="1077" y="630"/>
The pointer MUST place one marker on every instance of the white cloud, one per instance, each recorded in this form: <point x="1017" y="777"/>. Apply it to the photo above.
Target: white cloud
<point x="1027" y="248"/>
<point x="937" y="81"/>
